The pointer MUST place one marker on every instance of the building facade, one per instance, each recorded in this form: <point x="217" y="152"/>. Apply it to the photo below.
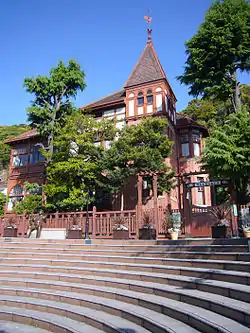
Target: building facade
<point x="146" y="93"/>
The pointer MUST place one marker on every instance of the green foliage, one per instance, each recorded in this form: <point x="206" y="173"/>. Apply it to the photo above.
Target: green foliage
<point x="4" y="155"/>
<point x="201" y="111"/>
<point x="75" y="169"/>
<point x="245" y="95"/>
<point x="32" y="203"/>
<point x="8" y="132"/>
<point x="51" y="103"/>
<point x="2" y="203"/>
<point x="140" y="148"/>
<point x="32" y="188"/>
<point x="219" y="48"/>
<point x="206" y="110"/>
<point x="227" y="152"/>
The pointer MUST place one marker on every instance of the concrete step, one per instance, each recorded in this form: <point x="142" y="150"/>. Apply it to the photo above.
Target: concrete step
<point x="89" y="267"/>
<point x="131" y="248"/>
<point x="155" y="286"/>
<point x="48" y="321"/>
<point x="237" y="256"/>
<point x="128" y="280"/>
<point x="187" y="241"/>
<point x="175" y="317"/>
<point x="199" y="263"/>
<point x="98" y="311"/>
<point x="11" y="327"/>
<point x="233" y="309"/>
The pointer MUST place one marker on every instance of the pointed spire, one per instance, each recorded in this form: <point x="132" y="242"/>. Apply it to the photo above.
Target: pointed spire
<point x="147" y="69"/>
<point x="148" y="18"/>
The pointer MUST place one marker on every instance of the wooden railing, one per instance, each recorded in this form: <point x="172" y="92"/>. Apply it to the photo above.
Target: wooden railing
<point x="20" y="221"/>
<point x="101" y="224"/>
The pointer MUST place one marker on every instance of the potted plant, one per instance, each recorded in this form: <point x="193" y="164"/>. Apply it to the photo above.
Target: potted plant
<point x="246" y="230"/>
<point x="220" y="213"/>
<point x="120" y="229"/>
<point x="174" y="233"/>
<point x="10" y="230"/>
<point x="147" y="231"/>
<point x="171" y="225"/>
<point x="75" y="231"/>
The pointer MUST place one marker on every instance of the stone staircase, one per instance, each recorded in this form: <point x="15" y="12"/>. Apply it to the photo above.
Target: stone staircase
<point x="185" y="286"/>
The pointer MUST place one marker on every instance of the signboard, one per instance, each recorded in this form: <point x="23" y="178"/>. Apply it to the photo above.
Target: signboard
<point x="209" y="183"/>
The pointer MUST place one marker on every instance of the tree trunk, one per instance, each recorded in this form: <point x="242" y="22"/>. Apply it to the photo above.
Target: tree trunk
<point x="236" y="95"/>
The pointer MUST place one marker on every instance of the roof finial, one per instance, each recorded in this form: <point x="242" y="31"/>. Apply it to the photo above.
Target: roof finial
<point x="149" y="19"/>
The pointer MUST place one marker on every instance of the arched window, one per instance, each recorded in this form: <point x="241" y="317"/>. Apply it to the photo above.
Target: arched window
<point x="16" y="195"/>
<point x="140" y="98"/>
<point x="149" y="96"/>
<point x="16" y="190"/>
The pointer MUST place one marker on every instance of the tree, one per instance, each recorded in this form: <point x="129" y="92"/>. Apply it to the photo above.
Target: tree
<point x="201" y="110"/>
<point x="2" y="203"/>
<point x="32" y="203"/>
<point x="51" y="102"/>
<point x="140" y="148"/>
<point x="8" y="132"/>
<point x="218" y="51"/>
<point x="245" y="95"/>
<point x="206" y="110"/>
<point x="227" y="152"/>
<point x="75" y="170"/>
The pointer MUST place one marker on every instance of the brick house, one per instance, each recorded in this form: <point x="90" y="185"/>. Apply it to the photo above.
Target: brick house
<point x="146" y="93"/>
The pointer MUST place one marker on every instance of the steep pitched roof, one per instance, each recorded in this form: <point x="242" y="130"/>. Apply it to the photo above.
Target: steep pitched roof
<point x="24" y="136"/>
<point x="148" y="68"/>
<point x="112" y="98"/>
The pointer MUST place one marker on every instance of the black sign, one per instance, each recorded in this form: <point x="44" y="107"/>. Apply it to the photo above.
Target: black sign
<point x="209" y="183"/>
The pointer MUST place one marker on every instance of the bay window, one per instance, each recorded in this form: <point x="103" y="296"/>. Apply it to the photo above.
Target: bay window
<point x="196" y="143"/>
<point x="35" y="155"/>
<point x="185" y="144"/>
<point x="20" y="157"/>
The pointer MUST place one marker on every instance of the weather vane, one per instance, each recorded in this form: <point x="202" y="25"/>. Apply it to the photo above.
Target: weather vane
<point x="148" y="18"/>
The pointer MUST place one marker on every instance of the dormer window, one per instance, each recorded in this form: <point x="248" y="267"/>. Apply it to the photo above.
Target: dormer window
<point x="140" y="98"/>
<point x="149" y="96"/>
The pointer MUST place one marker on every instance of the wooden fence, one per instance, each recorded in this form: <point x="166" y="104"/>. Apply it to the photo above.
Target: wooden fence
<point x="101" y="224"/>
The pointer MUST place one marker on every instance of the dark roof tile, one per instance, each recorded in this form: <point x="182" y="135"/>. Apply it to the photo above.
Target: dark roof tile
<point x="24" y="136"/>
<point x="148" y="68"/>
<point x="115" y="97"/>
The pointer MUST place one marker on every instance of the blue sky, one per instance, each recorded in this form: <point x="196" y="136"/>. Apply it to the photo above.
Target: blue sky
<point x="105" y="37"/>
